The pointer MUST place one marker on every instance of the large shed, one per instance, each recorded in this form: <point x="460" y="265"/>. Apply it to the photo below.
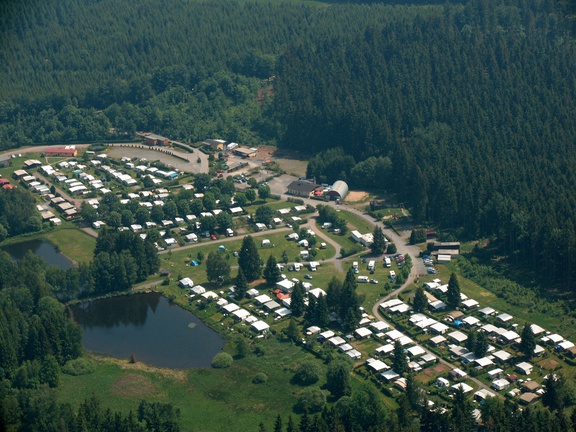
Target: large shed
<point x="339" y="190"/>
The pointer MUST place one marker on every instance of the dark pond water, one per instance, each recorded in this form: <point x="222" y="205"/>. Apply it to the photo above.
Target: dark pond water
<point x="150" y="327"/>
<point x="41" y="248"/>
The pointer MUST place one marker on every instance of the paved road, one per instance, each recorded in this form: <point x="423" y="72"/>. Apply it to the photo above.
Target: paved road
<point x="336" y="258"/>
<point x="189" y="165"/>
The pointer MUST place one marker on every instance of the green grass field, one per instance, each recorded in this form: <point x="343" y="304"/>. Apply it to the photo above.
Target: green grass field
<point x="72" y="242"/>
<point x="208" y="399"/>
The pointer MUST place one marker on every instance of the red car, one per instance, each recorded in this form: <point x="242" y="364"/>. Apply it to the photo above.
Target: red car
<point x="212" y="236"/>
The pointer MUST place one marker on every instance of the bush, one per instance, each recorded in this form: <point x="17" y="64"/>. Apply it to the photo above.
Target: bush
<point x="308" y="373"/>
<point x="79" y="366"/>
<point x="260" y="378"/>
<point x="391" y="248"/>
<point x="311" y="400"/>
<point x="222" y="361"/>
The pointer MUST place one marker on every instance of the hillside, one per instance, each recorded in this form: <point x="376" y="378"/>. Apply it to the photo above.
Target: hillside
<point x="470" y="105"/>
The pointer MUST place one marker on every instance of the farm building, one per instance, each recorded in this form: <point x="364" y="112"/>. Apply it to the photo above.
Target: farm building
<point x="61" y="152"/>
<point x="215" y="144"/>
<point x="245" y="152"/>
<point x="339" y="191"/>
<point x="156" y="140"/>
<point x="302" y="188"/>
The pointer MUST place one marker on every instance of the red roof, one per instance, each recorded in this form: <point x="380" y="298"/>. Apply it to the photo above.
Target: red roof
<point x="61" y="151"/>
<point x="4" y="181"/>
<point x="7" y="186"/>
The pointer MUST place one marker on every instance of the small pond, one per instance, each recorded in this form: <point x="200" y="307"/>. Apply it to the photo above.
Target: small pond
<point x="41" y="248"/>
<point x="147" y="325"/>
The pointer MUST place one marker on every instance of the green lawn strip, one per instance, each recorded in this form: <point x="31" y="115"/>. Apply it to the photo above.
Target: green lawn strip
<point x="356" y="222"/>
<point x="72" y="242"/>
<point x="208" y="399"/>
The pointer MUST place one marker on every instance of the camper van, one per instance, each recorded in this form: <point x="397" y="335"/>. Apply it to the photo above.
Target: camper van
<point x="371" y="265"/>
<point x="363" y="279"/>
<point x="387" y="262"/>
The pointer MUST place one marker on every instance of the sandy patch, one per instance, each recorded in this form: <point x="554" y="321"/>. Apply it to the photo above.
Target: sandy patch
<point x="356" y="196"/>
<point x="132" y="385"/>
<point x="431" y="373"/>
<point x="549" y="364"/>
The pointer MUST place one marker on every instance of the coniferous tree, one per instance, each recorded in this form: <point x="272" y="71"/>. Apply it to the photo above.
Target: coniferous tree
<point x="399" y="361"/>
<point x="453" y="295"/>
<point x="322" y="317"/>
<point x="379" y="245"/>
<point x="249" y="259"/>
<point x="293" y="331"/>
<point x="297" y="305"/>
<point x="420" y="302"/>
<point x="471" y="341"/>
<point x="528" y="342"/>
<point x="278" y="424"/>
<point x="481" y="346"/>
<point x="338" y="378"/>
<point x="271" y="271"/>
<point x="241" y="284"/>
<point x="461" y="414"/>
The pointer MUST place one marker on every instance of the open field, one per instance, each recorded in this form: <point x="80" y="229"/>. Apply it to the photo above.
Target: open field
<point x="199" y="393"/>
<point x="75" y="244"/>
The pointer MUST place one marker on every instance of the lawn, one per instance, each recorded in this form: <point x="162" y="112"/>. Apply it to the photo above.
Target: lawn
<point x="72" y="242"/>
<point x="209" y="399"/>
<point x="179" y="262"/>
<point x="356" y="222"/>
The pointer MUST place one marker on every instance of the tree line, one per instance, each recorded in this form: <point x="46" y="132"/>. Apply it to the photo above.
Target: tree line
<point x="449" y="111"/>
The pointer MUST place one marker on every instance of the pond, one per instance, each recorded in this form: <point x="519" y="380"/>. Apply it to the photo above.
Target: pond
<point x="41" y="248"/>
<point x="147" y="325"/>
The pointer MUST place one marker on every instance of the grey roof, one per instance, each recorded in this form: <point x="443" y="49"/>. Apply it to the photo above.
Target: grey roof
<point x="302" y="186"/>
<point x="340" y="188"/>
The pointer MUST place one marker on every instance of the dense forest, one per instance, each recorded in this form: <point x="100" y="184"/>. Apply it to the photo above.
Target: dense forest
<point x="475" y="109"/>
<point x="462" y="109"/>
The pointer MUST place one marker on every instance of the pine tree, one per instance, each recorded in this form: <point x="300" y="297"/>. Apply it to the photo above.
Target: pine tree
<point x="349" y="304"/>
<point x="271" y="271"/>
<point x="310" y="313"/>
<point x="527" y="343"/>
<point x="481" y="348"/>
<point x="461" y="415"/>
<point x="290" y="426"/>
<point x="297" y="305"/>
<point x="278" y="424"/>
<point x="471" y="341"/>
<point x="292" y="331"/>
<point x="399" y="361"/>
<point x="420" y="302"/>
<point x="338" y="378"/>
<point x="379" y="245"/>
<point x="453" y="295"/>
<point x="322" y="318"/>
<point x="249" y="259"/>
<point x="241" y="284"/>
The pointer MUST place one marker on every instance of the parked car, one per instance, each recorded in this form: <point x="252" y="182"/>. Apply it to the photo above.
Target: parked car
<point x="194" y="263"/>
<point x="307" y="276"/>
<point x="431" y="270"/>
<point x="373" y="281"/>
<point x="212" y="236"/>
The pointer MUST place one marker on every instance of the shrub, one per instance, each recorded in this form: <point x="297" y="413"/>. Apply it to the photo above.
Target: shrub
<point x="260" y="378"/>
<point x="222" y="361"/>
<point x="311" y="400"/>
<point x="308" y="373"/>
<point x="79" y="366"/>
